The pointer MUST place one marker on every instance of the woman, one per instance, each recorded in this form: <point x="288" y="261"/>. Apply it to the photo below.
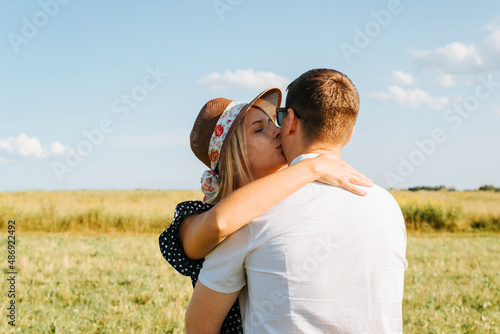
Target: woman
<point x="241" y="145"/>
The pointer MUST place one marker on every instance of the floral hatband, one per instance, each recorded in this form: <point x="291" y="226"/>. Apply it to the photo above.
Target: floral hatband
<point x="210" y="179"/>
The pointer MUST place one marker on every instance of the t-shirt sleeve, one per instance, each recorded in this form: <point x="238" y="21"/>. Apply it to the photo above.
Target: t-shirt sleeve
<point x="170" y="242"/>
<point x="224" y="268"/>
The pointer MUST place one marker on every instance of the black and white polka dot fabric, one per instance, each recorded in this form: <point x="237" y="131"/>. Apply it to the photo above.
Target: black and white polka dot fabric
<point x="172" y="250"/>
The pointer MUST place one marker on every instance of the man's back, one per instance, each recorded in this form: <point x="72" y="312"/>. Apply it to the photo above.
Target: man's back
<point x="322" y="261"/>
<point x="326" y="260"/>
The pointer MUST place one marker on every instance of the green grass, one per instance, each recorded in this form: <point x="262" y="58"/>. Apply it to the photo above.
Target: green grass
<point x="122" y="284"/>
<point x="88" y="262"/>
<point x="69" y="284"/>
<point x="452" y="284"/>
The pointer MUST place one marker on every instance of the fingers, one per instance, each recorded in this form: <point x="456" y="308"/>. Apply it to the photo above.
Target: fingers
<point x="358" y="179"/>
<point x="361" y="180"/>
<point x="338" y="173"/>
<point x="354" y="189"/>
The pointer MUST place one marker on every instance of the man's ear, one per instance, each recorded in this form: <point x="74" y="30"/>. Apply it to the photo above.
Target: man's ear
<point x="289" y="126"/>
<point x="350" y="136"/>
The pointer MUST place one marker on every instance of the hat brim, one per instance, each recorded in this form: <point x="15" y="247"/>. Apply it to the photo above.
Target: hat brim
<point x="271" y="95"/>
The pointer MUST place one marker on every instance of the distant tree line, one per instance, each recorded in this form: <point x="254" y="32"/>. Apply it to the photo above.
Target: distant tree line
<point x="438" y="188"/>
<point x="487" y="187"/>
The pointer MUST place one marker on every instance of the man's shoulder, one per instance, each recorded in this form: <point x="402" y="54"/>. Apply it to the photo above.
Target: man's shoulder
<point x="326" y="208"/>
<point x="317" y="196"/>
<point x="317" y="191"/>
<point x="378" y="191"/>
<point x="374" y="192"/>
<point x="320" y="190"/>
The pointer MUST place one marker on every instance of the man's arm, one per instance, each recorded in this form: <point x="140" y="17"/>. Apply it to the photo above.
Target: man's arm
<point x="208" y="309"/>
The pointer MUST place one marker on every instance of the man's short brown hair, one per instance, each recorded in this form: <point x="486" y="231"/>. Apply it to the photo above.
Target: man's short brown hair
<point x="327" y="103"/>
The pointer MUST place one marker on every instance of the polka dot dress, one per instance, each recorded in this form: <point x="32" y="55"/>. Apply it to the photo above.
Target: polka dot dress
<point x="172" y="250"/>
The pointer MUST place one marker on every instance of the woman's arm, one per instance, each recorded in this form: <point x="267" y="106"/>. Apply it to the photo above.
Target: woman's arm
<point x="200" y="233"/>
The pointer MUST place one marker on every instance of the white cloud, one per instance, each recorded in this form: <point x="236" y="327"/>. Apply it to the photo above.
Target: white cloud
<point x="446" y="80"/>
<point x="244" y="79"/>
<point x="402" y="78"/>
<point x="450" y="80"/>
<point x="23" y="146"/>
<point x="58" y="149"/>
<point x="168" y="138"/>
<point x="460" y="58"/>
<point x="412" y="98"/>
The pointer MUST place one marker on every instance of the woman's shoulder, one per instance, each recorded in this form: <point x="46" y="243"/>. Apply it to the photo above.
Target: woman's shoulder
<point x="188" y="208"/>
<point x="170" y="243"/>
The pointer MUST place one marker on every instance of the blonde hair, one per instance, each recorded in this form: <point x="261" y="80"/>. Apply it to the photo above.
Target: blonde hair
<point x="234" y="171"/>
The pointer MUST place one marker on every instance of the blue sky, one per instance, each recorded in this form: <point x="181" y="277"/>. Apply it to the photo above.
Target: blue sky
<point x="102" y="95"/>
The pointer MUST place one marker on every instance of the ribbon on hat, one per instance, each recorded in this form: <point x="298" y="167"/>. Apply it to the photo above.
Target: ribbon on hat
<point x="210" y="179"/>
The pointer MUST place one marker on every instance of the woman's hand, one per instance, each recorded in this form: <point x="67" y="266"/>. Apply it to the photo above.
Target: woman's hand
<point x="336" y="172"/>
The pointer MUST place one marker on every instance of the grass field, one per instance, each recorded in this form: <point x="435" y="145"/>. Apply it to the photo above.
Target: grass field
<point x="450" y="210"/>
<point x="149" y="211"/>
<point x="121" y="284"/>
<point x="93" y="211"/>
<point x="88" y="262"/>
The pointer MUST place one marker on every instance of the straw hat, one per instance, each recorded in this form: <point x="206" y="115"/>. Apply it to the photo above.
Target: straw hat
<point x="207" y="119"/>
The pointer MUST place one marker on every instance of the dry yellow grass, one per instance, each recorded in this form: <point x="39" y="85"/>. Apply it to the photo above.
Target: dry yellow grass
<point x="474" y="202"/>
<point x="469" y="209"/>
<point x="151" y="211"/>
<point x="92" y="211"/>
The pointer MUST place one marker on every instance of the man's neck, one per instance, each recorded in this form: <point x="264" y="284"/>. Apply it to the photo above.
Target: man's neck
<point x="315" y="149"/>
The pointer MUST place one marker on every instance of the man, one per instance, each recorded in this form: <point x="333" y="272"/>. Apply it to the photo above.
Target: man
<point x="323" y="260"/>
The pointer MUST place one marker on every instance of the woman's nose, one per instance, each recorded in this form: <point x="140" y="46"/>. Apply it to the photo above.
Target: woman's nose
<point x="278" y="132"/>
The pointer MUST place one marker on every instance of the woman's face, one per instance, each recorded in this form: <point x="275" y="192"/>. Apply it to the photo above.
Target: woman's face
<point x="265" y="154"/>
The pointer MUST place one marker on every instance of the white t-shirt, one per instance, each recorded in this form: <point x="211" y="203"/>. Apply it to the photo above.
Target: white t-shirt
<point x="321" y="261"/>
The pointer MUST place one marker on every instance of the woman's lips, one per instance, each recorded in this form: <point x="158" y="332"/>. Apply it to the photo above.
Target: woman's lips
<point x="279" y="147"/>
